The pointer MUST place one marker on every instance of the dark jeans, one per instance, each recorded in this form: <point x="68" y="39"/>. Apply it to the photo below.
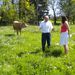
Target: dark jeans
<point x="46" y="37"/>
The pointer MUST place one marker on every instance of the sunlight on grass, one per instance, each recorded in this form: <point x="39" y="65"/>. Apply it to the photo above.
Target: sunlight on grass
<point x="22" y="54"/>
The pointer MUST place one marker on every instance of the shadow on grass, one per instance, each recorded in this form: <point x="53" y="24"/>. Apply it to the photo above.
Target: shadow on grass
<point x="55" y="53"/>
<point x="9" y="35"/>
<point x="47" y="53"/>
<point x="20" y="54"/>
<point x="35" y="52"/>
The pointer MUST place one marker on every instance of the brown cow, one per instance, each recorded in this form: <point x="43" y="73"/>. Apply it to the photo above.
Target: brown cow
<point x="18" y="26"/>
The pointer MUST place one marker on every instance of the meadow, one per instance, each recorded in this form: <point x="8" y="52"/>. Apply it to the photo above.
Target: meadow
<point x="22" y="54"/>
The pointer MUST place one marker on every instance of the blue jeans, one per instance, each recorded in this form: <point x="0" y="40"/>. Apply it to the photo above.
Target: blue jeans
<point x="46" y="37"/>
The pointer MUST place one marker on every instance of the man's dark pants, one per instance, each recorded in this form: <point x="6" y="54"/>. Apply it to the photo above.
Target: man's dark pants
<point x="46" y="37"/>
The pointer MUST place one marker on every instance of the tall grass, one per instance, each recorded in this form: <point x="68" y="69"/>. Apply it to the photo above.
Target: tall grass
<point x="22" y="54"/>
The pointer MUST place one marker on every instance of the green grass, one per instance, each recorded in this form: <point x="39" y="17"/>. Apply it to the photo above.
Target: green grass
<point x="22" y="55"/>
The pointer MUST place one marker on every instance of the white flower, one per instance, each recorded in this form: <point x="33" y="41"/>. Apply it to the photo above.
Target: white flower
<point x="57" y="44"/>
<point x="70" y="35"/>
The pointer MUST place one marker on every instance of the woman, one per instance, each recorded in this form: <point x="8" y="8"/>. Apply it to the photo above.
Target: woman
<point x="64" y="34"/>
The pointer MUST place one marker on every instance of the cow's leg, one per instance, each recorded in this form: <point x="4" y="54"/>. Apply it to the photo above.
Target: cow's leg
<point x="17" y="32"/>
<point x="20" y="32"/>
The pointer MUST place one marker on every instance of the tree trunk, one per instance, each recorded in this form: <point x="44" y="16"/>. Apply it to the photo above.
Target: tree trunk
<point x="73" y="20"/>
<point x="12" y="1"/>
<point x="54" y="17"/>
<point x="19" y="9"/>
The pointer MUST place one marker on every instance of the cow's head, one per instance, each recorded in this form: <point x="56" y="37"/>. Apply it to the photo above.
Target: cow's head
<point x="24" y="25"/>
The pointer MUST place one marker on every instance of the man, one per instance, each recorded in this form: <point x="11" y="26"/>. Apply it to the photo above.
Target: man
<point x="46" y="27"/>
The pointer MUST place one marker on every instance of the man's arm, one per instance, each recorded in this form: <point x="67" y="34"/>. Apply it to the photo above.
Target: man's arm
<point x="52" y="28"/>
<point x="40" y="26"/>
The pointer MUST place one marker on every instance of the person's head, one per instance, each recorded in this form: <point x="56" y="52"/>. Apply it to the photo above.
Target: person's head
<point x="64" y="18"/>
<point x="46" y="18"/>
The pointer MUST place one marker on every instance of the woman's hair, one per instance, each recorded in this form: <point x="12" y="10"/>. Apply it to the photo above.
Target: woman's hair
<point x="64" y="18"/>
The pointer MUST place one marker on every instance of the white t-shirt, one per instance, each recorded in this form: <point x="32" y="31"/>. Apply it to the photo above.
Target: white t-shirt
<point x="46" y="27"/>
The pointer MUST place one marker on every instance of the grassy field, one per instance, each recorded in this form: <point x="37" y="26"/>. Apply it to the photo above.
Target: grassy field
<point x="22" y="55"/>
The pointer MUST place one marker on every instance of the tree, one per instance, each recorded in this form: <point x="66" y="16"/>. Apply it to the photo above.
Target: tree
<point x="7" y="12"/>
<point x="68" y="8"/>
<point x="26" y="11"/>
<point x="73" y="12"/>
<point x="53" y="5"/>
<point x="12" y="1"/>
<point x="40" y="8"/>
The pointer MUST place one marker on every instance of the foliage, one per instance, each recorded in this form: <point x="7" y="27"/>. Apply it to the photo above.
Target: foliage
<point x="18" y="10"/>
<point x="67" y="7"/>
